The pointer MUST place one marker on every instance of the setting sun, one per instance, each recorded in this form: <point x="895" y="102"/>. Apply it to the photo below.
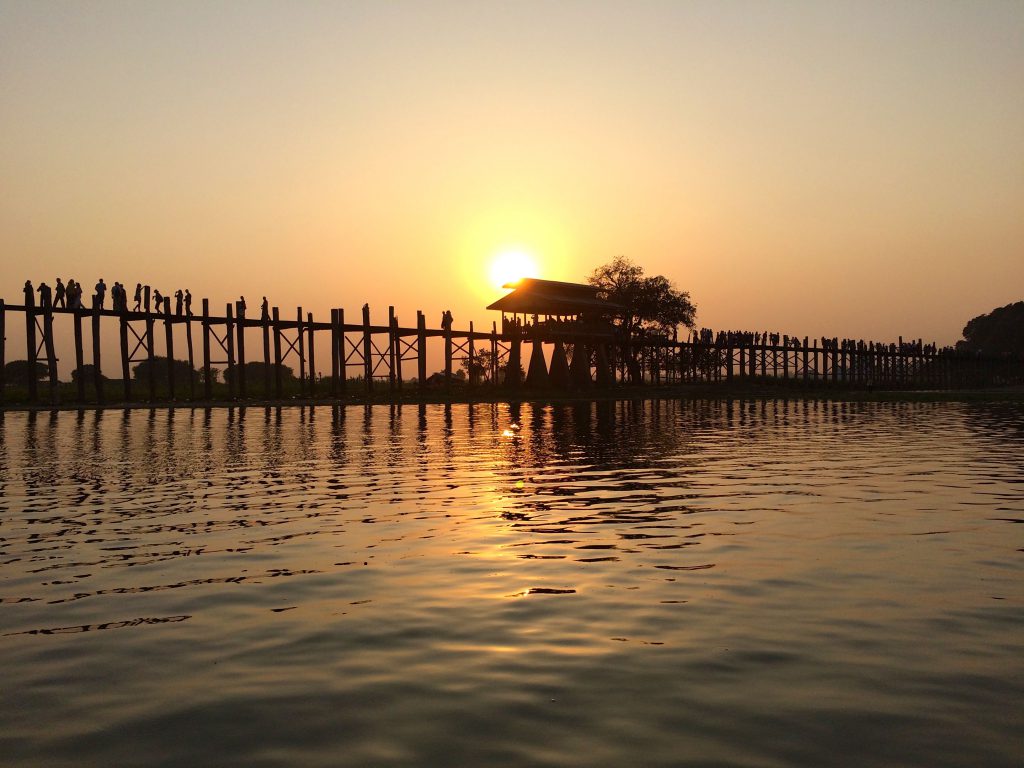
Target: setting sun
<point x="512" y="265"/>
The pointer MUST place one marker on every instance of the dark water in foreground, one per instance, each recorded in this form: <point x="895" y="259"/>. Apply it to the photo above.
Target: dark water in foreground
<point x="622" y="584"/>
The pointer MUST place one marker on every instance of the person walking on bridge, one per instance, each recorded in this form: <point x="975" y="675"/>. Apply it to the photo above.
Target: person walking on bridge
<point x="30" y="294"/>
<point x="45" y="295"/>
<point x="179" y="300"/>
<point x="101" y="293"/>
<point x="138" y="297"/>
<point x="188" y="302"/>
<point x="59" y="295"/>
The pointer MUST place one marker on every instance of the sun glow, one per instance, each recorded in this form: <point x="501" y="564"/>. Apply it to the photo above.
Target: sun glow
<point x="512" y="265"/>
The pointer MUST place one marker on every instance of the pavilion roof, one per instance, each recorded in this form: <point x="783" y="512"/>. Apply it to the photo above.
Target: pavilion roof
<point x="532" y="296"/>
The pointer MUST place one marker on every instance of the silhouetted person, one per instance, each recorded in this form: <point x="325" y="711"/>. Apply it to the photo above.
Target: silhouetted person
<point x="30" y="294"/>
<point x="241" y="305"/>
<point x="101" y="293"/>
<point x="265" y="309"/>
<point x="188" y="302"/>
<point x="45" y="295"/>
<point x="138" y="297"/>
<point x="446" y="320"/>
<point x="78" y="295"/>
<point x="179" y="300"/>
<point x="158" y="300"/>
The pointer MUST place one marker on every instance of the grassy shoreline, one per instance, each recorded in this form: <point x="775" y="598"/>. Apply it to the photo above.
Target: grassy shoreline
<point x="735" y="391"/>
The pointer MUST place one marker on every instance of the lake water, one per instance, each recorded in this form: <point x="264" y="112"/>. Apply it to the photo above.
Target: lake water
<point x="618" y="584"/>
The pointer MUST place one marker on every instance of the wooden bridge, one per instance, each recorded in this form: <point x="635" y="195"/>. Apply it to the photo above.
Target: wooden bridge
<point x="381" y="357"/>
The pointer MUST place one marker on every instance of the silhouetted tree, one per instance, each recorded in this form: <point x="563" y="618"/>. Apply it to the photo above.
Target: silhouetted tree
<point x="478" y="367"/>
<point x="1001" y="331"/>
<point x="85" y="373"/>
<point x="182" y="371"/>
<point x="652" y="304"/>
<point x="18" y="372"/>
<point x="254" y="372"/>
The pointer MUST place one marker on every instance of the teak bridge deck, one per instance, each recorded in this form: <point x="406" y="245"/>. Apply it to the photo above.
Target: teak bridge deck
<point x="377" y="353"/>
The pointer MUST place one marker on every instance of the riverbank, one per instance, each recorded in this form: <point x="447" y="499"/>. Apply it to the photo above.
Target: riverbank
<point x="736" y="391"/>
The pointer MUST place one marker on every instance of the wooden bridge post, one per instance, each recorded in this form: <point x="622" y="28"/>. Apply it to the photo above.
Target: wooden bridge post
<point x="743" y="359"/>
<point x="3" y="350"/>
<point x="267" y="367"/>
<point x="207" y="373"/>
<point x="448" y="355"/>
<point x="311" y="353"/>
<point x="278" y="374"/>
<point x="30" y="346"/>
<point x="392" y="341"/>
<point x="169" y="336"/>
<point x="145" y="300"/>
<point x="342" y="364"/>
<point x="151" y="354"/>
<point x="806" y="361"/>
<point x="229" y="339"/>
<point x="243" y="389"/>
<point x="421" y="349"/>
<point x="97" y="376"/>
<point x="472" y="371"/>
<point x="191" y="357"/>
<point x="51" y="356"/>
<point x="367" y="350"/>
<point x="752" y="358"/>
<point x="79" y="354"/>
<point x="334" y="353"/>
<point x="300" y="347"/>
<point x="126" y="373"/>
<point x="494" y="352"/>
<point x="398" y="353"/>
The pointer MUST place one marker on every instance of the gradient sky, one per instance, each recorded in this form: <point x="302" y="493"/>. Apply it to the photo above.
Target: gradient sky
<point x="851" y="169"/>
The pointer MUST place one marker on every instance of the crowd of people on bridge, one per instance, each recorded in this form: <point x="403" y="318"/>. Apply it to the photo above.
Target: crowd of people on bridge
<point x="709" y="338"/>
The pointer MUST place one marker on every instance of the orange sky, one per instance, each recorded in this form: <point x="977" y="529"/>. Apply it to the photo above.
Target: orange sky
<point x="850" y="169"/>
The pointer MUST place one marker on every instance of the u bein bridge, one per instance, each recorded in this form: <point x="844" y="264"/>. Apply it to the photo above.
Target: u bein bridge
<point x="586" y="351"/>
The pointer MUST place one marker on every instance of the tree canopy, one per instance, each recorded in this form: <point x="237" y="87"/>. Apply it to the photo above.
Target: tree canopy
<point x="18" y="372"/>
<point x="652" y="302"/>
<point x="1001" y="331"/>
<point x="182" y="370"/>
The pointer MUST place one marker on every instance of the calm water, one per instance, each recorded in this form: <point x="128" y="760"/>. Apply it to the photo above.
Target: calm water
<point x="634" y="583"/>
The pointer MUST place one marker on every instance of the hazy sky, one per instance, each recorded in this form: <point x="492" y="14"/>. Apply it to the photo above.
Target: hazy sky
<point x="851" y="169"/>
